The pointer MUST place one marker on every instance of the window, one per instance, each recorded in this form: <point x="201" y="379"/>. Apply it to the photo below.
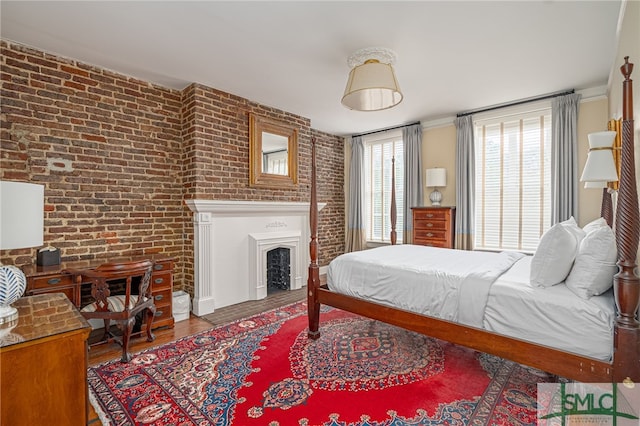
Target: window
<point x="379" y="150"/>
<point x="513" y="180"/>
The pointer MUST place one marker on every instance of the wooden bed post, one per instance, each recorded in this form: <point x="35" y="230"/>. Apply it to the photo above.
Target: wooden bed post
<point x="606" y="209"/>
<point x="394" y="211"/>
<point x="626" y="284"/>
<point x="313" y="281"/>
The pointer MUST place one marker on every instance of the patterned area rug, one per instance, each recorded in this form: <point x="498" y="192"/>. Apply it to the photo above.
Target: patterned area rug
<point x="264" y="371"/>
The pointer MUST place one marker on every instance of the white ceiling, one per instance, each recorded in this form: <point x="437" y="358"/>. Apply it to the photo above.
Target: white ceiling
<point x="452" y="55"/>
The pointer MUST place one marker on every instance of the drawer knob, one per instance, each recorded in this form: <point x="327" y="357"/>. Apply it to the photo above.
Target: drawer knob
<point x="429" y="225"/>
<point x="53" y="281"/>
<point x="429" y="214"/>
<point x="158" y="266"/>
<point x="159" y="313"/>
<point x="158" y="280"/>
<point x="429" y="234"/>
<point x="159" y="297"/>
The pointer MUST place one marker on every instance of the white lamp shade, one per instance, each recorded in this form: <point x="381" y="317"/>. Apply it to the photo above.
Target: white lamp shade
<point x="436" y="177"/>
<point x="372" y="86"/>
<point x="600" y="166"/>
<point x="595" y="184"/>
<point x="21" y="215"/>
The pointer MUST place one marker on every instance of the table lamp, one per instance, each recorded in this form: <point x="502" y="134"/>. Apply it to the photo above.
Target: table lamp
<point x="436" y="177"/>
<point x="21" y="226"/>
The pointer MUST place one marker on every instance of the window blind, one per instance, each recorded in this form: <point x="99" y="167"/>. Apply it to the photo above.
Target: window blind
<point x="378" y="160"/>
<point x="513" y="180"/>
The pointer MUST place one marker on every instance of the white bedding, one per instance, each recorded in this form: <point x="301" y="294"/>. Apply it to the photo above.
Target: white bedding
<point x="455" y="284"/>
<point x="554" y="316"/>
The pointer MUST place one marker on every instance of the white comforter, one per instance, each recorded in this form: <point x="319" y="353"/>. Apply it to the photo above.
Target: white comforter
<point x="480" y="289"/>
<point x="448" y="284"/>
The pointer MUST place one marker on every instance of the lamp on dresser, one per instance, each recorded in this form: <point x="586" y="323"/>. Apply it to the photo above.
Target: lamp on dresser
<point x="436" y="178"/>
<point x="21" y="226"/>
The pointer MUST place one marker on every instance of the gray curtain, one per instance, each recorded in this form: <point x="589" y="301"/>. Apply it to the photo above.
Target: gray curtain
<point x="564" y="157"/>
<point x="465" y="183"/>
<point x="413" y="188"/>
<point x="356" y="239"/>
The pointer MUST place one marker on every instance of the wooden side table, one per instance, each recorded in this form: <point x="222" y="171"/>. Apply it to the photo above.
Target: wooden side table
<point x="43" y="363"/>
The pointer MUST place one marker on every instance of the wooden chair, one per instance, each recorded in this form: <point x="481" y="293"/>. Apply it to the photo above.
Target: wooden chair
<point x="122" y="308"/>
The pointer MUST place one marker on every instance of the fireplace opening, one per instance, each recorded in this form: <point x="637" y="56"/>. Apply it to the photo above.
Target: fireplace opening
<point x="278" y="269"/>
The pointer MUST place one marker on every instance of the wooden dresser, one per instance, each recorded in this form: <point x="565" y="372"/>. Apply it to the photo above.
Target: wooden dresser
<point x="43" y="363"/>
<point x="434" y="226"/>
<point x="48" y="279"/>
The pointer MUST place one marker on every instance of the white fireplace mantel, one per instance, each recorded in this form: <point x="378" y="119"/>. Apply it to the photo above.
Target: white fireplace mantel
<point x="225" y="247"/>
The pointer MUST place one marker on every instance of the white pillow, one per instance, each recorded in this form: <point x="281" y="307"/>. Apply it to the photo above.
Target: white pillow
<point x="579" y="233"/>
<point x="555" y="254"/>
<point x="595" y="264"/>
<point x="594" y="224"/>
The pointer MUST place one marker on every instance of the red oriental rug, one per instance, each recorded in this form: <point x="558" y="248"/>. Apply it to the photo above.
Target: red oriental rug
<point x="264" y="371"/>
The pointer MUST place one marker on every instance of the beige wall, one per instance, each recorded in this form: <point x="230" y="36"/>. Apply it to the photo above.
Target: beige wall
<point x="439" y="150"/>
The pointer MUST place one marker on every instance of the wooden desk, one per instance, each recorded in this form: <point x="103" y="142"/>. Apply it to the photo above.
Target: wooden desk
<point x="47" y="279"/>
<point x="43" y="363"/>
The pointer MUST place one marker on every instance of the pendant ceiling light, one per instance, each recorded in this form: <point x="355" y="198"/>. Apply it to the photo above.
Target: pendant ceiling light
<point x="372" y="84"/>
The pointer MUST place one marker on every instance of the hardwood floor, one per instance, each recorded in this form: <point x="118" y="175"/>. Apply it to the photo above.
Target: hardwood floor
<point x="110" y="351"/>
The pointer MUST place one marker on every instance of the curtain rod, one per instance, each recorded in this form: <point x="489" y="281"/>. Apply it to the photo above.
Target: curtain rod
<point x="385" y="130"/>
<point x="523" y="101"/>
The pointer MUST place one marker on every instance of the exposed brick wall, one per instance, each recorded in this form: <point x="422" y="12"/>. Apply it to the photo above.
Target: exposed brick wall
<point x="118" y="156"/>
<point x="330" y="183"/>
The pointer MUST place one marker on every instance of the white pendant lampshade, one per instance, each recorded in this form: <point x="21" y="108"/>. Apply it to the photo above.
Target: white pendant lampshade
<point x="21" y="226"/>
<point x="600" y="166"/>
<point x="372" y="83"/>
<point x="436" y="177"/>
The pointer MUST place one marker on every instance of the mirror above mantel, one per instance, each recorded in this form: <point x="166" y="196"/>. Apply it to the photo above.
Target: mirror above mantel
<point x="273" y="153"/>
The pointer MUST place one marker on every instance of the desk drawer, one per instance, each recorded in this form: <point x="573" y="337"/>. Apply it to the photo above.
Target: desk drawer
<point x="161" y="281"/>
<point x="164" y="265"/>
<point x="51" y="282"/>
<point x="70" y="292"/>
<point x="163" y="297"/>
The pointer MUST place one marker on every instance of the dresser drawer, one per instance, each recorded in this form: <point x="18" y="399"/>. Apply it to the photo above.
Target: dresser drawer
<point x="430" y="224"/>
<point x="431" y="243"/>
<point x="436" y="214"/>
<point x="431" y="235"/>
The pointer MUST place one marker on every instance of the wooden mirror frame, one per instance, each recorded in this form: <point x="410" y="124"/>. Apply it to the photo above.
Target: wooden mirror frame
<point x="257" y="178"/>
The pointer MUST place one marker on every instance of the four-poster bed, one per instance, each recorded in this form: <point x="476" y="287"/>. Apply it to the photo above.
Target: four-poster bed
<point x="624" y="365"/>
